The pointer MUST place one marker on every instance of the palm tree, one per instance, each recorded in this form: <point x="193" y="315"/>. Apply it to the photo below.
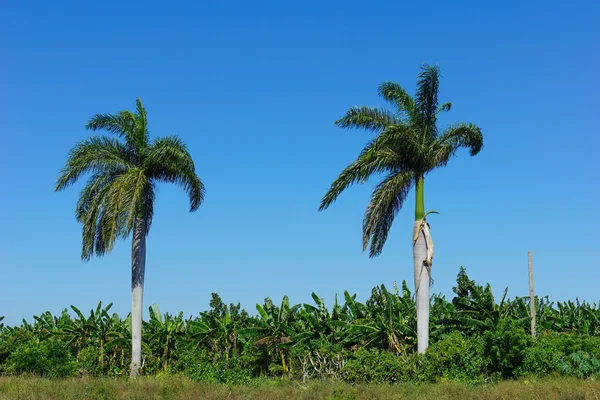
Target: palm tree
<point x="119" y="196"/>
<point x="407" y="146"/>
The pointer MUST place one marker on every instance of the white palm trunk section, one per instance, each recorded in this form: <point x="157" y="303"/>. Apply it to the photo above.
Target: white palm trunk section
<point x="138" y="267"/>
<point x="422" y="279"/>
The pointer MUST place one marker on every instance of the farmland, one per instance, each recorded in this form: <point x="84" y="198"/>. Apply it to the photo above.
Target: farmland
<point x="476" y="339"/>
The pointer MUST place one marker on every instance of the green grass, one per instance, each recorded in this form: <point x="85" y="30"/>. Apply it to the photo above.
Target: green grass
<point x="175" y="387"/>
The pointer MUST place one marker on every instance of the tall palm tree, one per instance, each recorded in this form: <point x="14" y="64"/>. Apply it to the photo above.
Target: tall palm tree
<point x="119" y="196"/>
<point x="407" y="146"/>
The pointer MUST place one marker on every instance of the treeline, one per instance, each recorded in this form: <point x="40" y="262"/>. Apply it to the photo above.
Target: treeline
<point x="474" y="338"/>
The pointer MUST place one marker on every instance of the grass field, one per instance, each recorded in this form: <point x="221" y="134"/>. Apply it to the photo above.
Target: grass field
<point x="173" y="387"/>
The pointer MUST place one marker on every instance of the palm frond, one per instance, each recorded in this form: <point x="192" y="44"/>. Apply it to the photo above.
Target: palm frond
<point x="96" y="154"/>
<point x="367" y="118"/>
<point x="149" y="204"/>
<point x="168" y="160"/>
<point x="395" y="149"/>
<point x="386" y="201"/>
<point x="141" y="112"/>
<point x="91" y="201"/>
<point x="132" y="127"/>
<point x="92" y="190"/>
<point x="444" y="108"/>
<point x="460" y="135"/>
<point x="109" y="208"/>
<point x="141" y="125"/>
<point x="123" y="203"/>
<point x="396" y="95"/>
<point x="426" y="98"/>
<point x="369" y="162"/>
<point x="119" y="124"/>
<point x="136" y="194"/>
<point x="402" y="145"/>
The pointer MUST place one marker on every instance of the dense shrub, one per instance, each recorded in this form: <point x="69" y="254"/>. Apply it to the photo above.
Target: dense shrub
<point x="455" y="358"/>
<point x="197" y="365"/>
<point x="504" y="348"/>
<point x="568" y="343"/>
<point x="541" y="359"/>
<point x="49" y="358"/>
<point x="10" y="340"/>
<point x="374" y="366"/>
<point x="88" y="361"/>
<point x="566" y="354"/>
<point x="580" y="364"/>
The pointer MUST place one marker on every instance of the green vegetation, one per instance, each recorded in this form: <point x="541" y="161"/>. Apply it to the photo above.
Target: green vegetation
<point x="407" y="146"/>
<point x="475" y="339"/>
<point x="118" y="199"/>
<point x="479" y="347"/>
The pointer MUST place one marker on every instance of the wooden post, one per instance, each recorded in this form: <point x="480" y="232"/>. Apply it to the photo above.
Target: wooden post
<point x="531" y="295"/>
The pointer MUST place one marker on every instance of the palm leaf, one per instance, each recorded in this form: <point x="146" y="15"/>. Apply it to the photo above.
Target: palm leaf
<point x="460" y="135"/>
<point x="386" y="201"/>
<point x="168" y="160"/>
<point x="396" y="95"/>
<point x="426" y="98"/>
<point x="97" y="155"/>
<point x="368" y="118"/>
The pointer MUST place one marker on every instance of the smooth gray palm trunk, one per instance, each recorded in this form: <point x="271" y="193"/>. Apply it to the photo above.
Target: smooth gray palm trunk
<point x="422" y="279"/>
<point x="138" y="268"/>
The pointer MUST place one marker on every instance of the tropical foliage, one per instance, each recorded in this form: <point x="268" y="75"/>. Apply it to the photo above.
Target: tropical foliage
<point x="475" y="337"/>
<point x="118" y="199"/>
<point x="407" y="146"/>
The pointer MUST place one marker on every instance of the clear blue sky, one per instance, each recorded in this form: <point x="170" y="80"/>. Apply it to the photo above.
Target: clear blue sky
<point x="253" y="88"/>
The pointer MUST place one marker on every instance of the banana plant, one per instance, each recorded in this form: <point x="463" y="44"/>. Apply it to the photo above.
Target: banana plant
<point x="221" y="327"/>
<point x="119" y="347"/>
<point x="164" y="330"/>
<point x="520" y="310"/>
<point x="317" y="323"/>
<point x="441" y="311"/>
<point x="26" y="326"/>
<point x="46" y="325"/>
<point x="103" y="328"/>
<point x="77" y="333"/>
<point x="274" y="329"/>
<point x="224" y="334"/>
<point x="198" y="332"/>
<point x="476" y="308"/>
<point x="580" y="317"/>
<point x="479" y="312"/>
<point x="353" y="310"/>
<point x="391" y="323"/>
